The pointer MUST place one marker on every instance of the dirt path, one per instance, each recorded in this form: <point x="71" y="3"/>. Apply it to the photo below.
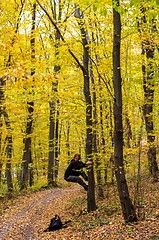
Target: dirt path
<point x="30" y="215"/>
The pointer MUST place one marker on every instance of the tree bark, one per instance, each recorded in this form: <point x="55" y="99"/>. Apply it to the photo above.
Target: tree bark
<point x="148" y="49"/>
<point x="8" y="140"/>
<point x="91" y="203"/>
<point x="54" y="125"/>
<point x="68" y="141"/>
<point x="95" y="134"/>
<point x="126" y="204"/>
<point x="9" y="149"/>
<point x="57" y="142"/>
<point x="27" y="161"/>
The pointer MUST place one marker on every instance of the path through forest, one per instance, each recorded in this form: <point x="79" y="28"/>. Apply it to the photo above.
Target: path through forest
<point x="30" y="215"/>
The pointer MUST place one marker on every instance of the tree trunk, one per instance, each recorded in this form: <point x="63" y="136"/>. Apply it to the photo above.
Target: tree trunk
<point x="8" y="164"/>
<point x="27" y="161"/>
<point x="8" y="140"/>
<point x="57" y="143"/>
<point x="128" y="132"/>
<point x="68" y="141"/>
<point x="148" y="48"/>
<point x="126" y="204"/>
<point x="9" y="149"/>
<point x="51" y="159"/>
<point x="53" y="135"/>
<point x="91" y="204"/>
<point x="27" y="154"/>
<point x="111" y="160"/>
<point x="95" y="147"/>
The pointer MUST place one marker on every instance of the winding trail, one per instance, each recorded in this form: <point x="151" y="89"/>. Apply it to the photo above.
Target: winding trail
<point x="30" y="215"/>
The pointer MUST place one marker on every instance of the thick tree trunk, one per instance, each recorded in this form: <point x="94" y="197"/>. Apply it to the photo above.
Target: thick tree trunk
<point x="126" y="204"/>
<point x="148" y="49"/>
<point x="148" y="85"/>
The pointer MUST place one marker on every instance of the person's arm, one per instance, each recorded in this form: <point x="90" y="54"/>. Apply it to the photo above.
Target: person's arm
<point x="89" y="163"/>
<point x="82" y="164"/>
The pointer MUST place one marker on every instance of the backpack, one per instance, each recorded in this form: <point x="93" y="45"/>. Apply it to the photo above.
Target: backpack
<point x="55" y="224"/>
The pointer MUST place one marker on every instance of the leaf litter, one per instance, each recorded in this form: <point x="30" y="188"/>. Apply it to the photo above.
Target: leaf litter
<point x="30" y="214"/>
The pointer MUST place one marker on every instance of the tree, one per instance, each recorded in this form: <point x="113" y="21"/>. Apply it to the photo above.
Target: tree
<point x="8" y="138"/>
<point x="147" y="28"/>
<point x="27" y="161"/>
<point x="54" y="113"/>
<point x="91" y="204"/>
<point x="126" y="204"/>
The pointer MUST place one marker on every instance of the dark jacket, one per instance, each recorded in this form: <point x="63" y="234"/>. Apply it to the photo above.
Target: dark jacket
<point x="74" y="168"/>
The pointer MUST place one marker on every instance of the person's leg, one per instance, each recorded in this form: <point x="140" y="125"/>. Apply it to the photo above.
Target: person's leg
<point x="78" y="180"/>
<point x="83" y="174"/>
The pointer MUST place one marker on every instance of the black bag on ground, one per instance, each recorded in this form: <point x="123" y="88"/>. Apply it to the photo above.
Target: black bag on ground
<point x="55" y="224"/>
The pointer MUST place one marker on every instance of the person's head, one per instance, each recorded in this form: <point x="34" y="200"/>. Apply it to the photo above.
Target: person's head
<point x="77" y="157"/>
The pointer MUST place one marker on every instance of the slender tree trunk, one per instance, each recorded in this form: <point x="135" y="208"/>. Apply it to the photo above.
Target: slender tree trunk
<point x="128" y="132"/>
<point x="68" y="141"/>
<point x="2" y="84"/>
<point x="9" y="149"/>
<point x="126" y="204"/>
<point x="57" y="143"/>
<point x="8" y="164"/>
<point x="1" y="161"/>
<point x="91" y="204"/>
<point x="8" y="140"/>
<point x="51" y="177"/>
<point x="112" y="142"/>
<point x="53" y="136"/>
<point x="103" y="143"/>
<point x="27" y="161"/>
<point x="95" y="147"/>
<point x="53" y="133"/>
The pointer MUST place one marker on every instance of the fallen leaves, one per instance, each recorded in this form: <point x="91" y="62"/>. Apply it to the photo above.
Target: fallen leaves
<point x="29" y="215"/>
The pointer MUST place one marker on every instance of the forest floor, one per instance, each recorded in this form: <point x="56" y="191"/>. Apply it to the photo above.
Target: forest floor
<point x="27" y="216"/>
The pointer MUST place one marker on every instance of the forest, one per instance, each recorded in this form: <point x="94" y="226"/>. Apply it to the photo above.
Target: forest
<point x="81" y="77"/>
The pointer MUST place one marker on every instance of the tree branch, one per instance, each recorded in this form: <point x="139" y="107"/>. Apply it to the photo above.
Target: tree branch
<point x="61" y="36"/>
